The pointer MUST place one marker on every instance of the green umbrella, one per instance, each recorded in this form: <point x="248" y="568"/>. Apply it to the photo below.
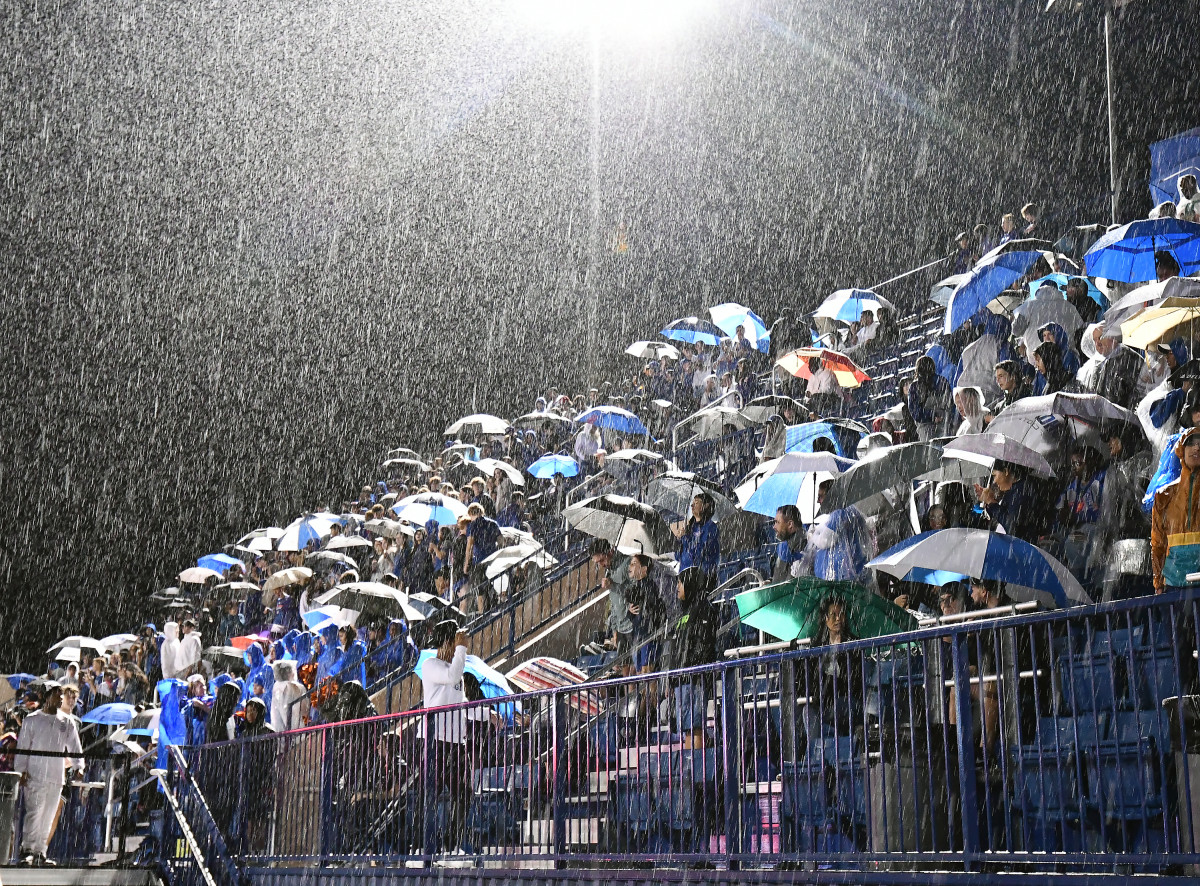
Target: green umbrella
<point x="792" y="609"/>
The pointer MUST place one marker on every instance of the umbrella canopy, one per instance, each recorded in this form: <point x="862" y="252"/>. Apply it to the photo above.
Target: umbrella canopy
<point x="693" y="329"/>
<point x="844" y="433"/>
<point x="762" y="408"/>
<point x="489" y="466"/>
<point x="271" y="533"/>
<point x="421" y="508"/>
<point x="549" y="465"/>
<point x="988" y="448"/>
<point x="1150" y="294"/>
<point x="505" y="558"/>
<point x="673" y="491"/>
<point x="1088" y="409"/>
<point x="949" y="554"/>
<point x="383" y="526"/>
<point x="320" y="616"/>
<point x="15" y="680"/>
<point x="881" y="470"/>
<point x="1033" y="315"/>
<point x="219" y="562"/>
<point x="847" y="305"/>
<point x="245" y="642"/>
<point x="711" y="423"/>
<point x="1060" y="282"/>
<point x="641" y="456"/>
<point x="329" y="560"/>
<point x="349" y="542"/>
<point x="478" y="424"/>
<point x="144" y="722"/>
<point x="287" y="577"/>
<point x="652" y="350"/>
<point x="993" y="274"/>
<point x="404" y="452"/>
<point x="434" y="607"/>
<point x="848" y="374"/>
<point x="613" y="417"/>
<point x="261" y="545"/>
<point x="197" y="575"/>
<point x="223" y="655"/>
<point x="632" y="527"/>
<point x="1160" y="322"/>
<point x="792" y="609"/>
<point x="233" y="587"/>
<point x="543" y="420"/>
<point x="118" y="641"/>
<point x="1169" y="159"/>
<point x="545" y="672"/>
<point x="730" y="315"/>
<point x="300" y="532"/>
<point x="113" y="714"/>
<point x="941" y="291"/>
<point x="1127" y="253"/>
<point x="404" y="462"/>
<point x="793" y="479"/>
<point x="371" y="598"/>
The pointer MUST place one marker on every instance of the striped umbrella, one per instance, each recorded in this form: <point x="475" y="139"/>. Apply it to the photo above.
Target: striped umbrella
<point x="848" y="375"/>
<point x="545" y="672"/>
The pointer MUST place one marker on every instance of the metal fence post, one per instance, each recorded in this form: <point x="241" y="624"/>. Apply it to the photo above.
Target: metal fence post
<point x="429" y="794"/>
<point x="125" y="818"/>
<point x="558" y="786"/>
<point x="327" y="790"/>
<point x="731" y="760"/>
<point x="966" y="750"/>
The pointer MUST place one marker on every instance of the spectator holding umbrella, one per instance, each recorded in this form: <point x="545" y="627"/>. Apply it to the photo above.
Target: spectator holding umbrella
<point x="647" y="610"/>
<point x="442" y="684"/>
<point x="616" y="581"/>
<point x="700" y="541"/>
<point x="1011" y="502"/>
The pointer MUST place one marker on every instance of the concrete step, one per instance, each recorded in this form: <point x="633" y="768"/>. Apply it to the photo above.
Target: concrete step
<point x="17" y="875"/>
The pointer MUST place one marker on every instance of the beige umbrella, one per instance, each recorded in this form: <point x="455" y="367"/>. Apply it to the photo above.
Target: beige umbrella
<point x="197" y="575"/>
<point x="288" y="577"/>
<point x="1159" y="322"/>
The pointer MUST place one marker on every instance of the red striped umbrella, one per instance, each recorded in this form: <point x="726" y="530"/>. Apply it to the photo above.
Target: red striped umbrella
<point x="847" y="374"/>
<point x="545" y="672"/>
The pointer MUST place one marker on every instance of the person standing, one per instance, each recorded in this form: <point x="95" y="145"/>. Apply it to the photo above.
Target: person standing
<point x="43" y="777"/>
<point x="442" y="684"/>
<point x="190" y="651"/>
<point x="700" y="541"/>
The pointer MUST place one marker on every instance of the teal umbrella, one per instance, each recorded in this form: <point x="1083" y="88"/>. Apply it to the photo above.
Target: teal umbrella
<point x="791" y="610"/>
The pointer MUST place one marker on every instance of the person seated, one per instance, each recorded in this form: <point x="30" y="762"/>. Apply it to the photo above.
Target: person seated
<point x="1053" y="376"/>
<point x="1010" y="502"/>
<point x="1116" y="378"/>
<point x="969" y="405"/>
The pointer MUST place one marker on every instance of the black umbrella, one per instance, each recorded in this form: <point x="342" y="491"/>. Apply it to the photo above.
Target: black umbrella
<point x="883" y="469"/>
<point x="624" y="522"/>
<point x="672" y="492"/>
<point x="761" y="408"/>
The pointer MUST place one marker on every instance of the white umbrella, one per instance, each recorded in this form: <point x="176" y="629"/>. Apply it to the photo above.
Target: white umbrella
<point x="345" y="542"/>
<point x="1150" y="294"/>
<point x="543" y="420"/>
<point x="942" y="290"/>
<point x="477" y="424"/>
<point x="406" y="462"/>
<point x="652" y="350"/>
<point x="261" y="545"/>
<point x="271" y="533"/>
<point x="287" y="577"/>
<point x="985" y="449"/>
<point x="518" y="535"/>
<point x="630" y="525"/>
<point x="77" y="642"/>
<point x="710" y="423"/>
<point x="118" y="641"/>
<point x="385" y="527"/>
<point x="402" y="452"/>
<point x="644" y="456"/>
<point x="506" y="558"/>
<point x="197" y="575"/>
<point x="489" y="466"/>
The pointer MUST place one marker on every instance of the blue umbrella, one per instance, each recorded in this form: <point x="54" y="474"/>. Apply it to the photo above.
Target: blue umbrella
<point x="17" y="680"/>
<point x="1171" y="158"/>
<point x="115" y="714"/>
<point x="1127" y="253"/>
<point x="218" y="562"/>
<point x="612" y="417"/>
<point x="1060" y="280"/>
<point x="549" y="465"/>
<point x="994" y="273"/>
<point x="693" y="329"/>
<point x="730" y="315"/>
<point x="799" y="438"/>
<point x="793" y="480"/>
<point x="948" y="554"/>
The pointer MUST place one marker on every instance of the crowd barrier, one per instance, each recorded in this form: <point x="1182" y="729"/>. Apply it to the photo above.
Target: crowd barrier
<point x="1033" y="740"/>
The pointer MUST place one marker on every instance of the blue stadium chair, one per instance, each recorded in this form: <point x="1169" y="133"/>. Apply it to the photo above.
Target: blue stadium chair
<point x="491" y="817"/>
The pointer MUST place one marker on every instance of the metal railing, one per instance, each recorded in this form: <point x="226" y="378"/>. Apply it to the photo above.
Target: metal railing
<point x="1035" y="740"/>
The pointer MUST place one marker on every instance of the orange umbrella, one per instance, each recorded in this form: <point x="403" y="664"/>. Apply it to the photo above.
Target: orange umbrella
<point x="847" y="374"/>
<point x="244" y="643"/>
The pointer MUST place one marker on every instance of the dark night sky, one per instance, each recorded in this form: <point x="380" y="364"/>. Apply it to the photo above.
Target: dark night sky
<point x="248" y="246"/>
